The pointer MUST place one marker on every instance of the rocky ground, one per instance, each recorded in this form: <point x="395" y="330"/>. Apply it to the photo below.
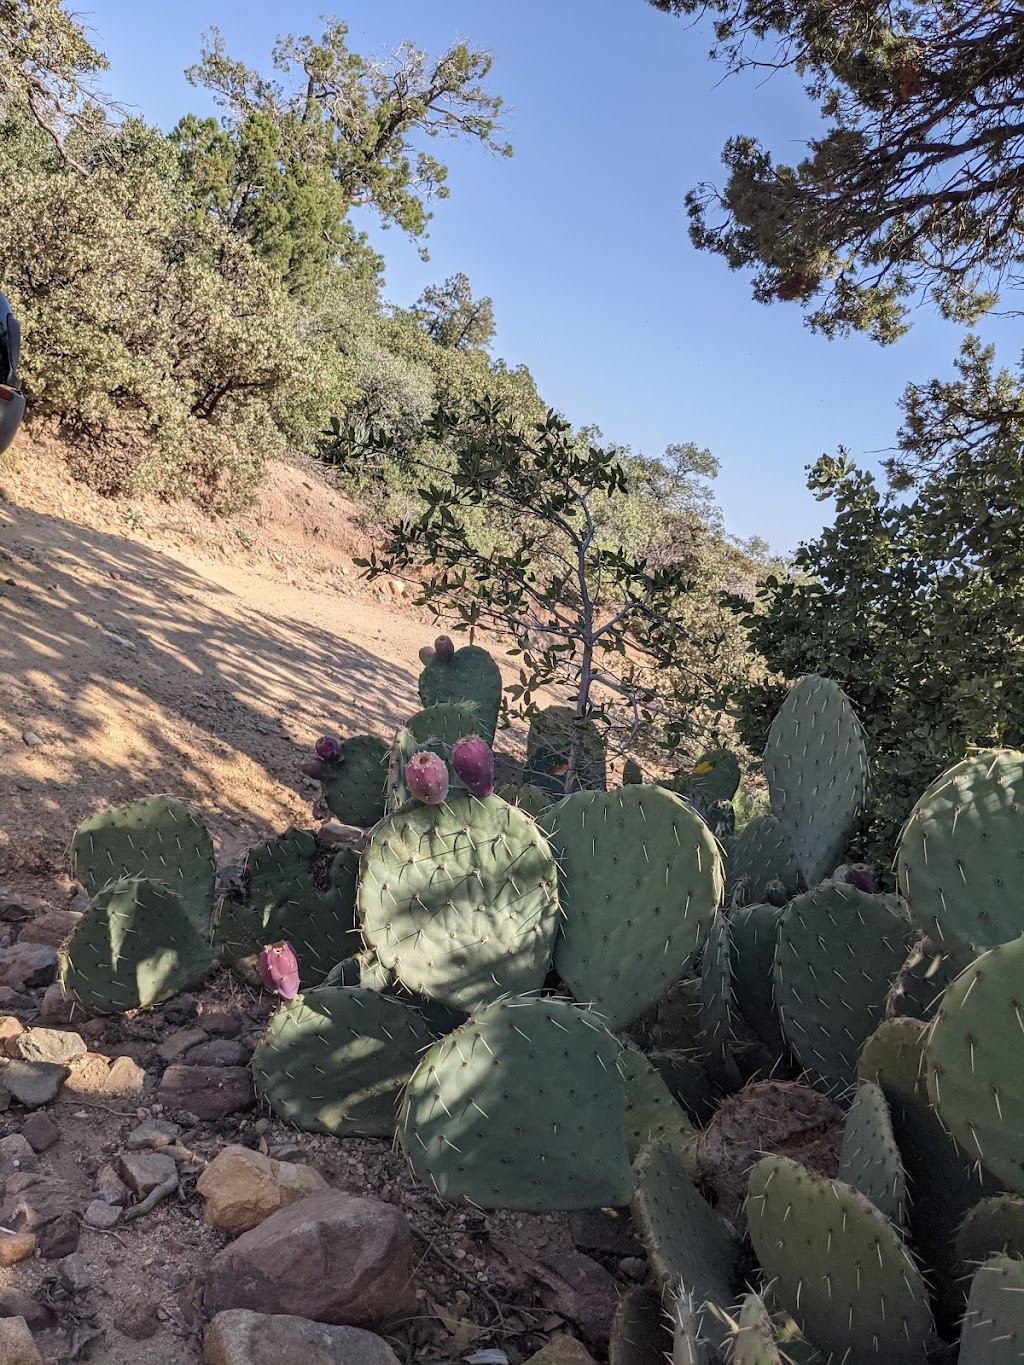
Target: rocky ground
<point x="150" y="1204"/>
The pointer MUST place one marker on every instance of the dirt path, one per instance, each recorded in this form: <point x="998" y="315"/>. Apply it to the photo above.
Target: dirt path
<point x="146" y="649"/>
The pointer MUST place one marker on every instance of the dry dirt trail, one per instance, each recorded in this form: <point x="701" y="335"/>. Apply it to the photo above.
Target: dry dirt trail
<point x="144" y="648"/>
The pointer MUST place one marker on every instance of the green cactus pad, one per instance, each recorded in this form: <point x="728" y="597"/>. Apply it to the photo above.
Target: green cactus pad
<point x="838" y="950"/>
<point x="715" y="776"/>
<point x="758" y="856"/>
<point x="754" y="931"/>
<point x="995" y="1225"/>
<point x="447" y="721"/>
<point x="632" y="773"/>
<point x="639" y="1331"/>
<point x="527" y="798"/>
<point x="522" y="1108"/>
<point x="942" y="1183"/>
<point x="920" y="982"/>
<point x="640" y="878"/>
<point x="687" y="1082"/>
<point x="135" y="945"/>
<point x="959" y="856"/>
<point x="690" y="1249"/>
<point x="356" y="795"/>
<point x="841" y="1268"/>
<point x="651" y="1112"/>
<point x="335" y="1060"/>
<point x="816" y="764"/>
<point x="753" y="1337"/>
<point x="677" y="1021"/>
<point x="973" y="1062"/>
<point x="716" y="1011"/>
<point x="460" y="900"/>
<point x="869" y="1159"/>
<point x="471" y="676"/>
<point x="993" y="1327"/>
<point x="156" y="838"/>
<point x="299" y="892"/>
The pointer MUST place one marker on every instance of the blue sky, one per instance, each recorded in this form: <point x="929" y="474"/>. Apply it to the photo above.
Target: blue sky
<point x="614" y="111"/>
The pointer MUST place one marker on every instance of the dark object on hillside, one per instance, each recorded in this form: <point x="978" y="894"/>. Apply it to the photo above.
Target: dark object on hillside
<point x="12" y="400"/>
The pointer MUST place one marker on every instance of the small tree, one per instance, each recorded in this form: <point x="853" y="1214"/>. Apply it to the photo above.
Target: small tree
<point x="510" y="538"/>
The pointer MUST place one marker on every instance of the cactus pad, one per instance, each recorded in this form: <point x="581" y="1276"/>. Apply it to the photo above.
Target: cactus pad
<point x="335" y="1060"/>
<point x="870" y="1160"/>
<point x="973" y="1059"/>
<point x="521" y="1108"/>
<point x="920" y="982"/>
<point x="753" y="1338"/>
<point x="356" y="795"/>
<point x="716" y="1009"/>
<point x="460" y="900"/>
<point x="639" y="1334"/>
<point x="651" y="1112"/>
<point x="715" y="777"/>
<point x="156" y="838"/>
<point x="470" y="676"/>
<point x="758" y="856"/>
<point x="959" y="856"/>
<point x="754" y="930"/>
<point x="135" y="945"/>
<point x="841" y="1268"/>
<point x="993" y="1327"/>
<point x="816" y="764"/>
<point x="838" y="950"/>
<point x="404" y="747"/>
<point x="640" y="878"/>
<point x="994" y="1225"/>
<point x="530" y="799"/>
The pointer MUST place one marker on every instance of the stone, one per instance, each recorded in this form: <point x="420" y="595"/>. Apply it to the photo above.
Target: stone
<point x="15" y="1303"/>
<point x="16" y="1246"/>
<point x="33" y="1084"/>
<point x="144" y="1171"/>
<point x="99" y="1214"/>
<point x="16" y="1344"/>
<point x="333" y="1257"/>
<point x="241" y="1188"/>
<point x="237" y="1337"/>
<point x="60" y="1237"/>
<point x="125" y="1077"/>
<point x="218" y="1021"/>
<point x="40" y="1130"/>
<point x="572" y="1285"/>
<point x="562" y="1350"/>
<point x="182" y="1011"/>
<point x="52" y="929"/>
<point x="33" y="1199"/>
<point x="139" y="1321"/>
<point x="79" y="902"/>
<point x="46" y="1045"/>
<point x="16" y="1154"/>
<point x="25" y="965"/>
<point x="17" y="1002"/>
<point x="177" y="1044"/>
<point x="110" y="1187"/>
<point x="56" y="1007"/>
<point x="152" y="1133"/>
<point x="218" y="1052"/>
<point x="10" y="1027"/>
<point x="75" y="1274"/>
<point x="209" y="1092"/>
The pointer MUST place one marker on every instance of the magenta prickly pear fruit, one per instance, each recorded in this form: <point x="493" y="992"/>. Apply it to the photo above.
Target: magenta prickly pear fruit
<point x="426" y="654"/>
<point x="444" y="650"/>
<point x="318" y="769"/>
<point x="860" y="875"/>
<point x="279" y="969"/>
<point x="331" y="750"/>
<point x="426" y="776"/>
<point x="473" y="761"/>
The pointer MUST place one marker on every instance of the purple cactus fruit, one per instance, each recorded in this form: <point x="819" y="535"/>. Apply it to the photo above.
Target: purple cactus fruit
<point x="426" y="776"/>
<point x="444" y="650"/>
<point x="861" y="876"/>
<point x="317" y="769"/>
<point x="473" y="761"/>
<point x="331" y="750"/>
<point x="279" y="969"/>
<point x="426" y="654"/>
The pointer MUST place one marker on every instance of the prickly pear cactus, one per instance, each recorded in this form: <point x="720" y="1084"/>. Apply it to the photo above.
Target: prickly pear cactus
<point x="759" y="856"/>
<point x="156" y="838"/>
<point x="135" y="945"/>
<point x="837" y="952"/>
<point x="335" y="1060"/>
<point x="816" y="764"/>
<point x="632" y="773"/>
<point x="651" y="1112"/>
<point x="717" y="1006"/>
<point x="993" y="1328"/>
<point x="640" y="879"/>
<point x="460" y="900"/>
<point x="870" y="1160"/>
<point x="973" y="1061"/>
<point x="688" y="1245"/>
<point x="356" y="794"/>
<point x="715" y="776"/>
<point x="753" y="1338"/>
<point x="530" y="799"/>
<point x="404" y="748"/>
<point x="920" y="983"/>
<point x="522" y="1108"/>
<point x="470" y="676"/>
<point x="547" y="752"/>
<point x="995" y="1225"/>
<point x="840" y="1267"/>
<point x="754" y="932"/>
<point x="959" y="856"/>
<point x="639" y="1335"/>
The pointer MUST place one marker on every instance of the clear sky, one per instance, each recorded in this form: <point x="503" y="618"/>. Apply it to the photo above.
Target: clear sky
<point x="614" y="112"/>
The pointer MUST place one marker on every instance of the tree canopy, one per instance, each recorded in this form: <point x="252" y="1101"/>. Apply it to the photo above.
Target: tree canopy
<point x="916" y="183"/>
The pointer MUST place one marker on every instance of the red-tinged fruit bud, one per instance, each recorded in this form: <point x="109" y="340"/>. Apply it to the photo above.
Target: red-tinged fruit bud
<point x="473" y="761"/>
<point x="426" y="654"/>
<point x="426" y="776"/>
<point x="279" y="970"/>
<point x="444" y="650"/>
<point x="317" y="769"/>
<point x="331" y="750"/>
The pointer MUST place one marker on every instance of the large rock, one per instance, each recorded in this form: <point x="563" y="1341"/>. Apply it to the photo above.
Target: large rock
<point x="47" y="1045"/>
<point x="241" y="1188"/>
<point x="209" y="1092"/>
<point x="52" y="928"/>
<point x="28" y="964"/>
<point x="241" y="1338"/>
<point x="16" y="1344"/>
<point x="142" y="1172"/>
<point x="33" y="1083"/>
<point x="333" y="1257"/>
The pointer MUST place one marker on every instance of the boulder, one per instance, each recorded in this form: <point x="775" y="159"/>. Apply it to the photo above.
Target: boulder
<point x="241" y="1188"/>
<point x="33" y="1084"/>
<point x="16" y="1344"/>
<point x="238" y="1337"/>
<point x="25" y="965"/>
<point x="51" y="929"/>
<point x="209" y="1092"/>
